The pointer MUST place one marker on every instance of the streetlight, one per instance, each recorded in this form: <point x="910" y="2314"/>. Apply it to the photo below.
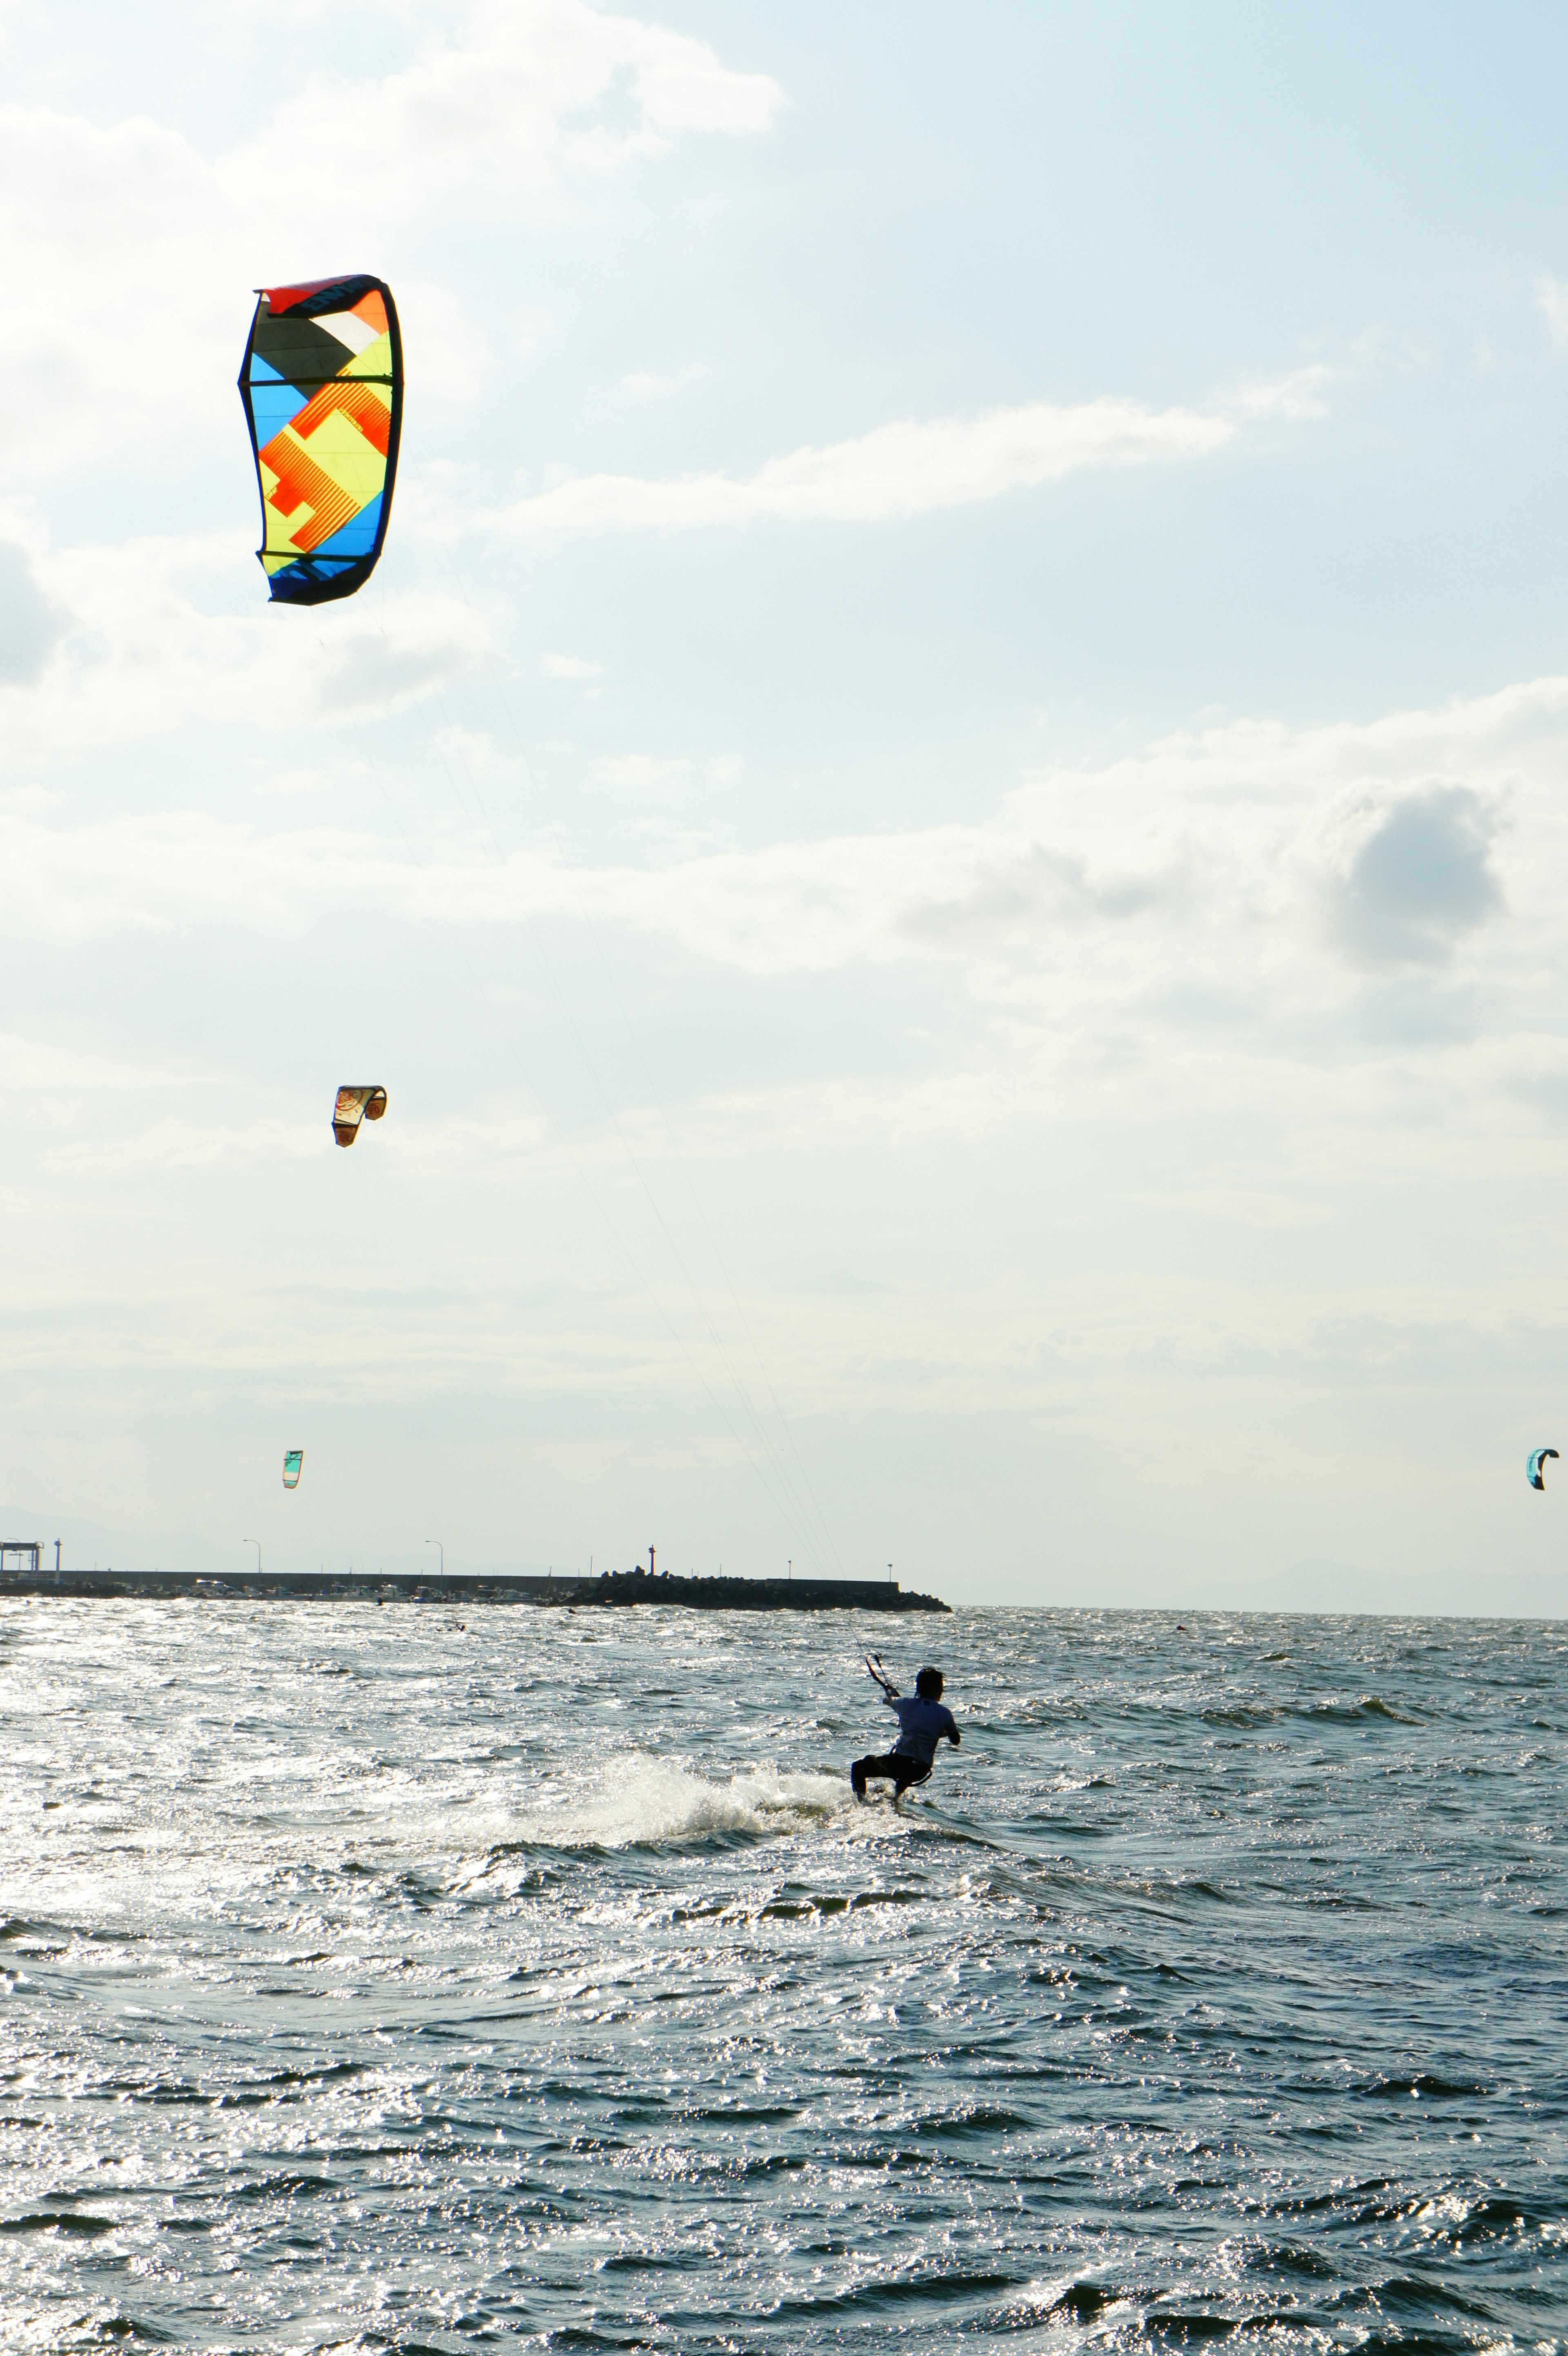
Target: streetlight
<point x="889" y="1574"/>
<point x="257" y="1544"/>
<point x="441" y="1551"/>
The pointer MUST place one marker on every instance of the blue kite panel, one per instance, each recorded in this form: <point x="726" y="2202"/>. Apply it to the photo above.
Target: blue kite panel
<point x="358" y="536"/>
<point x="272" y="406"/>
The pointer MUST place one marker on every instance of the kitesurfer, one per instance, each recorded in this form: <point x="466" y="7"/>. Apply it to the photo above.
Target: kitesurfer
<point x="922" y="1722"/>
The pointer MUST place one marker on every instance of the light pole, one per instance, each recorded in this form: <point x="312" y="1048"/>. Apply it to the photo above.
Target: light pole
<point x="441" y="1551"/>
<point x="889" y="1574"/>
<point x="257" y="1544"/>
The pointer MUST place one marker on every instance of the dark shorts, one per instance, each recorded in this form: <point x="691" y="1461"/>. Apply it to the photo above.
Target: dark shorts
<point x="896" y="1766"/>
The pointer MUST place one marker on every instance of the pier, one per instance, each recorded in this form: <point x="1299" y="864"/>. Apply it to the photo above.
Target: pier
<point x="611" y="1589"/>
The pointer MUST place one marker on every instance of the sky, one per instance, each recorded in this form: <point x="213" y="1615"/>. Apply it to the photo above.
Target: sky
<point x="945" y="818"/>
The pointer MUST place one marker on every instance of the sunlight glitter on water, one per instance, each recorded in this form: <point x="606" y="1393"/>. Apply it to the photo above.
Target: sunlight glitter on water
<point x="377" y="1982"/>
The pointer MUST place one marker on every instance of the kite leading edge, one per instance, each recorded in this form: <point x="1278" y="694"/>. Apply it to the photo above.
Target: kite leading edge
<point x="322" y="385"/>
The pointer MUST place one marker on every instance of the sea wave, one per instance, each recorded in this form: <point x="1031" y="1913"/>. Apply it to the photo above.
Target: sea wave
<point x="503" y="1988"/>
<point x="639" y="1799"/>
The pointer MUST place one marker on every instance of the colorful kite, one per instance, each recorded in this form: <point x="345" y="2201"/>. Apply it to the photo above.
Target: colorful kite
<point x="1535" y="1466"/>
<point x="322" y="385"/>
<point x="353" y="1105"/>
<point x="292" y="1463"/>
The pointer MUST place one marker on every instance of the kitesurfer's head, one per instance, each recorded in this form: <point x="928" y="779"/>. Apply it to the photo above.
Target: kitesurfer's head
<point x="928" y="1685"/>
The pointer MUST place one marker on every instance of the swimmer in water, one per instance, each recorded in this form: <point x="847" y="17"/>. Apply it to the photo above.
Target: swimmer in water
<point x="922" y="1723"/>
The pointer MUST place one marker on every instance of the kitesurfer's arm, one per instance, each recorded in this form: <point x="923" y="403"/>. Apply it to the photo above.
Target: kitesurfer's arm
<point x="881" y="1679"/>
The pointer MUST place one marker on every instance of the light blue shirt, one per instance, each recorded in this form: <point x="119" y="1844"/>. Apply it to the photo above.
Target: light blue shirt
<point x="921" y="1726"/>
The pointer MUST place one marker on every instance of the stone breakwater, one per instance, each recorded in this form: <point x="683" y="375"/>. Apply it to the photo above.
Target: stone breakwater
<point x="609" y="1590"/>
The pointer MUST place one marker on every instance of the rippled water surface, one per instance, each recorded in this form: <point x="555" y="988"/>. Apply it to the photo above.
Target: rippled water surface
<point x="374" y="1980"/>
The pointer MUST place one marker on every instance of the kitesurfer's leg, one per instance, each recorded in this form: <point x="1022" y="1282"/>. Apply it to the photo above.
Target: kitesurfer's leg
<point x="891" y="1766"/>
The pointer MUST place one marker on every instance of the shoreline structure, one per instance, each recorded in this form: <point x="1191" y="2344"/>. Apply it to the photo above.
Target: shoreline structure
<point x="609" y="1590"/>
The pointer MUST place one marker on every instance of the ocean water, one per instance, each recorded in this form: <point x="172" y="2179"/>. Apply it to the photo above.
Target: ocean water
<point x="408" y="1979"/>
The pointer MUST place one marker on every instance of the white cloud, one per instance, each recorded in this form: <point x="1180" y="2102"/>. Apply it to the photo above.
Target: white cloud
<point x="210" y="1141"/>
<point x="96" y="226"/>
<point x="1298" y="396"/>
<point x="476" y="751"/>
<point x="130" y="256"/>
<point x="570" y="667"/>
<point x="1229" y="836"/>
<point x="1415" y="875"/>
<point x="1242" y="1206"/>
<point x="502" y="100"/>
<point x="138" y="658"/>
<point x="638" y="769"/>
<point x="455" y="356"/>
<point x="1551" y="299"/>
<point x="1160" y="933"/>
<point x="920" y="466"/>
<point x="312" y="781"/>
<point x="28" y="627"/>
<point x="71" y="1080"/>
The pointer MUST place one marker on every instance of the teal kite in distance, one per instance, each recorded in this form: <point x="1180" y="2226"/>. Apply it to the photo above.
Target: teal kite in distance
<point x="1535" y="1466"/>
<point x="292" y="1465"/>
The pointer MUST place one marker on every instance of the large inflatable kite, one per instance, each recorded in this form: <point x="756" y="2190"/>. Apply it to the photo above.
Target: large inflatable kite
<point x="353" y="1105"/>
<point x="1535" y="1466"/>
<point x="322" y="385"/>
<point x="293" y="1462"/>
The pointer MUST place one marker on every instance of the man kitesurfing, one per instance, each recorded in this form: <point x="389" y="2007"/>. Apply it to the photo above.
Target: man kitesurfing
<point x="922" y="1722"/>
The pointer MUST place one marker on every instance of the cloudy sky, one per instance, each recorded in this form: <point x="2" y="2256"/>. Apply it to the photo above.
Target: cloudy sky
<point x="946" y="818"/>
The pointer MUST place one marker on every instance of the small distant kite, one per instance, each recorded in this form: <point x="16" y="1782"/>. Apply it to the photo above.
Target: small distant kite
<point x="292" y="1465"/>
<point x="322" y="385"/>
<point x="353" y="1105"/>
<point x="1535" y="1466"/>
